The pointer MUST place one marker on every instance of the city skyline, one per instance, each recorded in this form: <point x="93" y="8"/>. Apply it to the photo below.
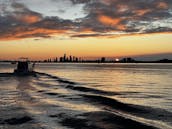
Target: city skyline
<point x="162" y="58"/>
<point x="89" y="28"/>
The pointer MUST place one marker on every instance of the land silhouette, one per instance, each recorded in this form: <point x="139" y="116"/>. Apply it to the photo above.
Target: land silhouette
<point x="74" y="59"/>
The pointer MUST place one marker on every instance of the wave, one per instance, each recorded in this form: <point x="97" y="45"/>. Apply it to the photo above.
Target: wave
<point x="76" y="86"/>
<point x="6" y="74"/>
<point x="16" y="121"/>
<point x="137" y="110"/>
<point x="60" y="106"/>
<point x="55" y="77"/>
<point x="98" y="97"/>
<point x="102" y="120"/>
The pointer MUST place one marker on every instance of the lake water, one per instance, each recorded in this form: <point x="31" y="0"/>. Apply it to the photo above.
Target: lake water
<point x="87" y="96"/>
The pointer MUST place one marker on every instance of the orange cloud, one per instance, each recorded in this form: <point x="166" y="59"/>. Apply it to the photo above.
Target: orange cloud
<point x="122" y="8"/>
<point x="115" y="22"/>
<point x="106" y="20"/>
<point x="105" y="17"/>
<point x="162" y="5"/>
<point x="27" y="18"/>
<point x="30" y="19"/>
<point x="31" y="33"/>
<point x="141" y="12"/>
<point x="87" y="30"/>
<point x="121" y="27"/>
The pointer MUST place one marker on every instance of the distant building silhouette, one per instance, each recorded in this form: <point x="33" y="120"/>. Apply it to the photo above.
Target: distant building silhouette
<point x="70" y="58"/>
<point x="103" y="59"/>
<point x="127" y="60"/>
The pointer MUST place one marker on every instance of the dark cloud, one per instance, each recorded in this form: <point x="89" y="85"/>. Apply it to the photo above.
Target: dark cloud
<point x="23" y="14"/>
<point x="122" y="15"/>
<point x="90" y="35"/>
<point x="24" y="23"/>
<point x="81" y="1"/>
<point x="105" y="17"/>
<point x="159" y="29"/>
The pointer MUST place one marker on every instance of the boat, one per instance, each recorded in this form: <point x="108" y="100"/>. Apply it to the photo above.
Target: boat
<point x="24" y="67"/>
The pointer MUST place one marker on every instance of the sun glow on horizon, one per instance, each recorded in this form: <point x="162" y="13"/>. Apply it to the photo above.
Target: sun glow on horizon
<point x="87" y="47"/>
<point x="84" y="28"/>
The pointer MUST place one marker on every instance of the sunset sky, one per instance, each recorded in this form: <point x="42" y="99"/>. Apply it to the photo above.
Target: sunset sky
<point x="41" y="29"/>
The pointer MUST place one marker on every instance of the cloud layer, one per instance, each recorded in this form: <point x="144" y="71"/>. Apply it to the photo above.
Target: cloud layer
<point x="102" y="18"/>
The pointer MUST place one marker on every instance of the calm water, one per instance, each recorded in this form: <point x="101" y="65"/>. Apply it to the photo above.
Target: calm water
<point x="88" y="96"/>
